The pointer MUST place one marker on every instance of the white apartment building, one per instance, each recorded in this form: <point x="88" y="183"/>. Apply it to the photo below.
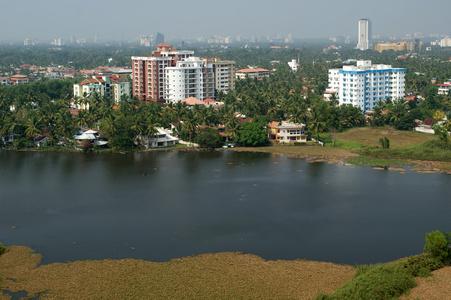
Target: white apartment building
<point x="365" y="84"/>
<point x="186" y="79"/>
<point x="365" y="32"/>
<point x="293" y="64"/>
<point x="445" y="42"/>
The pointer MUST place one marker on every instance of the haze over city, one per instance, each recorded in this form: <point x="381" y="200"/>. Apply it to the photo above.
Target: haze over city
<point x="119" y="20"/>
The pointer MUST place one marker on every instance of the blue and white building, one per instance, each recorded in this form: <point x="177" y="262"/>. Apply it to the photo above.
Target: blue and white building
<point x="365" y="84"/>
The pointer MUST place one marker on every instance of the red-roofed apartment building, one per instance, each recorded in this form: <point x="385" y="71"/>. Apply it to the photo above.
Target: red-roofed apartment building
<point x="170" y="75"/>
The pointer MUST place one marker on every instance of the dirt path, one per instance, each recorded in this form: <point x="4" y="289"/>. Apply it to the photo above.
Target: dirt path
<point x="436" y="287"/>
<point x="209" y="276"/>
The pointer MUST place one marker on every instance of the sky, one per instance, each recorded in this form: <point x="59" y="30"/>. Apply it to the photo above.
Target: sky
<point x="182" y="19"/>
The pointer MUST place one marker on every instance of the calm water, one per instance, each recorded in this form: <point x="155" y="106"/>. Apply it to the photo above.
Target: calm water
<point x="162" y="205"/>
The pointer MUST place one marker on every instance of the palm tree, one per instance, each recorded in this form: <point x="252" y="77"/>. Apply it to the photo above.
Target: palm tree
<point x="32" y="128"/>
<point x="151" y="128"/>
<point x="316" y="125"/>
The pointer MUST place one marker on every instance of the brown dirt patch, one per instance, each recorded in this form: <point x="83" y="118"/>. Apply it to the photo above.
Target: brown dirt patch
<point x="438" y="286"/>
<point x="208" y="276"/>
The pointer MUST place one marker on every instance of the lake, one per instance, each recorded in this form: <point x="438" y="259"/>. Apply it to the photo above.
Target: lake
<point x="167" y="204"/>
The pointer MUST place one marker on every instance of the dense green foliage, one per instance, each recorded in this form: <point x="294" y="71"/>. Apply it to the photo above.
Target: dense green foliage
<point x="41" y="107"/>
<point x="209" y="138"/>
<point x="253" y="134"/>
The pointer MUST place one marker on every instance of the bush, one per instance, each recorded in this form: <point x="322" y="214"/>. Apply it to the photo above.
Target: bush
<point x="382" y="281"/>
<point x="437" y="245"/>
<point x="422" y="265"/>
<point x="385" y="142"/>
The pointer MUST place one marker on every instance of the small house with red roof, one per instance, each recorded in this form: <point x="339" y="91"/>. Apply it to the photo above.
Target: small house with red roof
<point x="191" y="101"/>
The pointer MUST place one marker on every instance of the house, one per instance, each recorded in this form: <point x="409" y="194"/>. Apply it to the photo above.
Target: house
<point x="287" y="132"/>
<point x="19" y="79"/>
<point x="9" y="138"/>
<point x="161" y="139"/>
<point x="4" y="80"/>
<point x="444" y="88"/>
<point x="40" y="140"/>
<point x="88" y="135"/>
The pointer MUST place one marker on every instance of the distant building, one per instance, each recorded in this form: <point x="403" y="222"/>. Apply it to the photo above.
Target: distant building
<point x="4" y="80"/>
<point x="365" y="84"/>
<point x="258" y="73"/>
<point x="144" y="40"/>
<point x="158" y="38"/>
<point x="445" y="42"/>
<point x="399" y="46"/>
<point x="293" y="65"/>
<point x="365" y="32"/>
<point x="19" y="79"/>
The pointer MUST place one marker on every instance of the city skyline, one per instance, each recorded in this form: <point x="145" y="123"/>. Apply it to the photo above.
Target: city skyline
<point x="110" y="20"/>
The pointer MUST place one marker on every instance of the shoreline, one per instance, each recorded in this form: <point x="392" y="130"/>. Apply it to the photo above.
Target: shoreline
<point x="329" y="155"/>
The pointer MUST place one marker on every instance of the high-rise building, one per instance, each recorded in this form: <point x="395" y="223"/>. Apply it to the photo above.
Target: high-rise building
<point x="365" y="84"/>
<point x="224" y="74"/>
<point x="159" y="38"/>
<point x="171" y="75"/>
<point x="364" y="41"/>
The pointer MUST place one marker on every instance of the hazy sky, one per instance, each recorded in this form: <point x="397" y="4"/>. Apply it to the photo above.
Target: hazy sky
<point x="128" y="19"/>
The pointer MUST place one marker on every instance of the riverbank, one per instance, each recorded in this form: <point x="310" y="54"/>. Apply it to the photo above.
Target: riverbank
<point x="347" y="157"/>
<point x="228" y="275"/>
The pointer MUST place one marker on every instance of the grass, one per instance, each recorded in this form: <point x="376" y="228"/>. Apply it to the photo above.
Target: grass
<point x="368" y="137"/>
<point x="433" y="150"/>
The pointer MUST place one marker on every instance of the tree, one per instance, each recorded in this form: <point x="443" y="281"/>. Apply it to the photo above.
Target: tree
<point x="442" y="133"/>
<point x="32" y="128"/>
<point x="253" y="134"/>
<point x="316" y="125"/>
<point x="209" y="138"/>
<point x="333" y="134"/>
